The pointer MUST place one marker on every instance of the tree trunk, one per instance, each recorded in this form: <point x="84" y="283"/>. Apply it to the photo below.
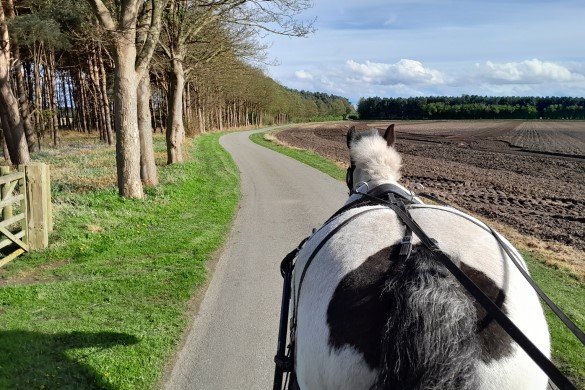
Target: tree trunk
<point x="83" y="111"/>
<point x="126" y="118"/>
<point x="39" y="121"/>
<point x="51" y="74"/>
<point x="164" y="111"/>
<point x="152" y="111"/>
<point x="75" y="123"/>
<point x="4" y="145"/>
<point x="64" y="92"/>
<point x="175" y="129"/>
<point x="157" y="106"/>
<point x="13" y="128"/>
<point x="130" y="65"/>
<point x="96" y="88"/>
<point x="148" y="172"/>
<point x="29" y="131"/>
<point x="188" y="110"/>
<point x="105" y="100"/>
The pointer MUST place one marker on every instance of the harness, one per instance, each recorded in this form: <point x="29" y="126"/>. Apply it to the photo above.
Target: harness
<point x="399" y="200"/>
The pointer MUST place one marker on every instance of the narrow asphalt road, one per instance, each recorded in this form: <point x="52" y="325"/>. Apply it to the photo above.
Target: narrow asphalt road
<point x="232" y="342"/>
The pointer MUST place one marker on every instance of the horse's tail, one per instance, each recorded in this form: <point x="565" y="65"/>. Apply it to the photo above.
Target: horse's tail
<point x="429" y="341"/>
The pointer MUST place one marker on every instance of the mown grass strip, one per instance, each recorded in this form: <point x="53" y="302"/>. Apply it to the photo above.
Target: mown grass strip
<point x="562" y="287"/>
<point x="311" y="159"/>
<point x="106" y="304"/>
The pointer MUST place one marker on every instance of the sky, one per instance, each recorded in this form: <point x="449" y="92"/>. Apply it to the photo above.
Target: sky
<point x="405" y="48"/>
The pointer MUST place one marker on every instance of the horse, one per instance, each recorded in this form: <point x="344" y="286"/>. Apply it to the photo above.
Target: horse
<point x="366" y="315"/>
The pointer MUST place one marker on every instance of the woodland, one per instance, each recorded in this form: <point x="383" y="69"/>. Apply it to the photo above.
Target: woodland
<point x="472" y="107"/>
<point x="127" y="69"/>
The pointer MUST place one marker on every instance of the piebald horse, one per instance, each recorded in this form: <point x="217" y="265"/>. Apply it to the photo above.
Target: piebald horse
<point x="366" y="317"/>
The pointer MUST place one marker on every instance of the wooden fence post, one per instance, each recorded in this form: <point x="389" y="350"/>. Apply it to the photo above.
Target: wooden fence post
<point x="38" y="202"/>
<point x="48" y="196"/>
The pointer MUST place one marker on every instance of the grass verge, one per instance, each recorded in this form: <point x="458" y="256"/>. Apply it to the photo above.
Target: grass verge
<point x="311" y="159"/>
<point x="562" y="287"/>
<point x="105" y="305"/>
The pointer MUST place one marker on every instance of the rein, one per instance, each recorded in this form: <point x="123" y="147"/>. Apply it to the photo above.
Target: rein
<point x="286" y="363"/>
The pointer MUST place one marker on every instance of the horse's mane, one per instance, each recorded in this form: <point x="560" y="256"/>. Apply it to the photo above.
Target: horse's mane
<point x="371" y="153"/>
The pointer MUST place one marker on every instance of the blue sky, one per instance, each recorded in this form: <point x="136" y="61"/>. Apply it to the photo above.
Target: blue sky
<point x="393" y="48"/>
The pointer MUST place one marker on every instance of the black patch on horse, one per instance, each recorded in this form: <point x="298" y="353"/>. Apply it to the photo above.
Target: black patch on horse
<point x="495" y="342"/>
<point x="359" y="309"/>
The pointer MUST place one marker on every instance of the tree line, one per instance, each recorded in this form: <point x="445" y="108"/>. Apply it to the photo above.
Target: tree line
<point x="472" y="107"/>
<point x="126" y="69"/>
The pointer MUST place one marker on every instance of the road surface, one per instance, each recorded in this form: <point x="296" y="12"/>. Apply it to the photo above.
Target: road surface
<point x="232" y="342"/>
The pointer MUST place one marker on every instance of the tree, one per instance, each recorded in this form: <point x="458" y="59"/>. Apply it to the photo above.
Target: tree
<point x="131" y="62"/>
<point x="150" y="20"/>
<point x="11" y="120"/>
<point x="31" y="137"/>
<point x="197" y="32"/>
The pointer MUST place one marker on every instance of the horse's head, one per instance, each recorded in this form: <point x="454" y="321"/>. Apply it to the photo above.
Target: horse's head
<point x="373" y="157"/>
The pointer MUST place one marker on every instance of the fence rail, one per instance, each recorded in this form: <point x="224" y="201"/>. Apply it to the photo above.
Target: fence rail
<point x="26" y="213"/>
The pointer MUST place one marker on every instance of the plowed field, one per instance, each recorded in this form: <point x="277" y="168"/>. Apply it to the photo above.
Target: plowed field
<point x="527" y="175"/>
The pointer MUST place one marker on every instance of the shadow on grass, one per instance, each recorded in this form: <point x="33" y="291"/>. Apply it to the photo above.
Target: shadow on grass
<point x="32" y="360"/>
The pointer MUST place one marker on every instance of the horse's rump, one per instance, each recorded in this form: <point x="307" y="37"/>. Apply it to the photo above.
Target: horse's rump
<point x="367" y="320"/>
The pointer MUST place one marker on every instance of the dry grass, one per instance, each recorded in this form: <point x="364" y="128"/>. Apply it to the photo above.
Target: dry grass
<point x="552" y="254"/>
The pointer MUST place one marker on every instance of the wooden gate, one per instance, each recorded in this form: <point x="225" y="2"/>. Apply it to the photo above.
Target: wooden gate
<point x="13" y="226"/>
<point x="26" y="213"/>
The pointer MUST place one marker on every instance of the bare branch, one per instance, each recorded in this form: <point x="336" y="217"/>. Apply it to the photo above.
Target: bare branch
<point x="144" y="56"/>
<point x="103" y="14"/>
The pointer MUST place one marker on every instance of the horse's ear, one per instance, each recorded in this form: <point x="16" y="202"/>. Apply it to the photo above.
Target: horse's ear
<point x="389" y="135"/>
<point x="350" y="135"/>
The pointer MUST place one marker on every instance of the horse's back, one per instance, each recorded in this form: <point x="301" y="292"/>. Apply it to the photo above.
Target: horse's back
<point x="344" y="308"/>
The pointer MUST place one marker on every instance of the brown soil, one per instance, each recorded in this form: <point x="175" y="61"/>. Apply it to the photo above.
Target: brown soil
<point x="527" y="176"/>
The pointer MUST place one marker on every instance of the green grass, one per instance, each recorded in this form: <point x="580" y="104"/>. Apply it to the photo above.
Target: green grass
<point x="106" y="304"/>
<point x="561" y="286"/>
<point x="569" y="294"/>
<point x="312" y="159"/>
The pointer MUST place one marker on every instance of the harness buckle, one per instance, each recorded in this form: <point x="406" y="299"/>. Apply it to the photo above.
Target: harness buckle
<point x="405" y="247"/>
<point x="284" y="363"/>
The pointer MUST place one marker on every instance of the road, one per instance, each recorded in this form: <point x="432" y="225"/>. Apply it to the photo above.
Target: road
<point x="232" y="342"/>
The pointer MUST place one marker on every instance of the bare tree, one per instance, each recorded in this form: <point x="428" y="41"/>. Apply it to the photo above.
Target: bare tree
<point x="130" y="62"/>
<point x="196" y="32"/>
<point x="148" y="172"/>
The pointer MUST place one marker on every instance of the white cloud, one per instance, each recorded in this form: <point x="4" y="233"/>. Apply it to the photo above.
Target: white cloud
<point x="354" y="79"/>
<point x="303" y="75"/>
<point x="404" y="71"/>
<point x="532" y="71"/>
